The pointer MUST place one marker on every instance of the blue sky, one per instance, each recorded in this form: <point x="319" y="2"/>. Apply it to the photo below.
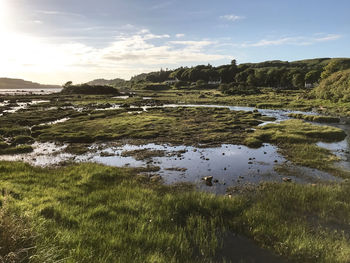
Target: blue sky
<point x="53" y="41"/>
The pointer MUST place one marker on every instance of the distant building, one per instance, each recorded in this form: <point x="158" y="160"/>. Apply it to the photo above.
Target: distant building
<point x="215" y="82"/>
<point x="309" y="85"/>
<point x="171" y="81"/>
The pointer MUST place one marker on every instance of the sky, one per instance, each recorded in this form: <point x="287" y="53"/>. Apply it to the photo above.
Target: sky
<point x="54" y="41"/>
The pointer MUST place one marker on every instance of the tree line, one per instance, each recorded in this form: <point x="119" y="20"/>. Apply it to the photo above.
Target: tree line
<point x="278" y="74"/>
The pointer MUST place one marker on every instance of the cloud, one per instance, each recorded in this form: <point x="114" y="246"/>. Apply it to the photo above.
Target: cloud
<point x="297" y="41"/>
<point x="180" y="35"/>
<point x="58" y="13"/>
<point x="329" y="37"/>
<point x="161" y="5"/>
<point x="232" y="17"/>
<point x="123" y="56"/>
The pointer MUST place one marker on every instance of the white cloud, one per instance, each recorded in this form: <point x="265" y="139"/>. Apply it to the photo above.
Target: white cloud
<point x="124" y="56"/>
<point x="58" y="13"/>
<point x="161" y="5"/>
<point x="297" y="41"/>
<point x="232" y="17"/>
<point x="329" y="37"/>
<point x="180" y="35"/>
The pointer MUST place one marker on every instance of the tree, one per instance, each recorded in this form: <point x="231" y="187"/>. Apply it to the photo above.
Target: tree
<point x="312" y="76"/>
<point x="241" y="77"/>
<point x="252" y="80"/>
<point x="298" y="80"/>
<point x="233" y="62"/>
<point x="67" y="84"/>
<point x="333" y="66"/>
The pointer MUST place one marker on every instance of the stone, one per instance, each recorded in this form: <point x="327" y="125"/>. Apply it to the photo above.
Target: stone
<point x="208" y="180"/>
<point x="286" y="179"/>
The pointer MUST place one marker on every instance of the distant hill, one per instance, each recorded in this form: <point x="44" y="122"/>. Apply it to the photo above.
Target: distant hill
<point x="7" y="83"/>
<point x="112" y="82"/>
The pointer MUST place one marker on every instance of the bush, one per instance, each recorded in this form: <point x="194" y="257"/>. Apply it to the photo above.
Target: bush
<point x="180" y="84"/>
<point x="90" y="89"/>
<point x="156" y="87"/>
<point x="336" y="87"/>
<point x="240" y="89"/>
<point x="22" y="139"/>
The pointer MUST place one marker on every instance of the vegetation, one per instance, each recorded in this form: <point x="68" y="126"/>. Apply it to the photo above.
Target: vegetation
<point x="315" y="118"/>
<point x="238" y="89"/>
<point x="188" y="126"/>
<point x="277" y="74"/>
<point x="89" y="89"/>
<point x="93" y="213"/>
<point x="335" y="87"/>
<point x="295" y="140"/>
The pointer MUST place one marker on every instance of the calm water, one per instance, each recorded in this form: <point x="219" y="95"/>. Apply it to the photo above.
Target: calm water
<point x="28" y="91"/>
<point x="230" y="165"/>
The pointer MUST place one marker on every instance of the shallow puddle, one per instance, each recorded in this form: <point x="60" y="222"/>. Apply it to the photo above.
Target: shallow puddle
<point x="230" y="165"/>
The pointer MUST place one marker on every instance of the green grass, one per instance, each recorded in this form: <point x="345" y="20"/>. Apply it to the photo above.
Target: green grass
<point x="315" y="118"/>
<point x="6" y="148"/>
<point x="188" y="126"/>
<point x="102" y="214"/>
<point x="296" y="140"/>
<point x="94" y="213"/>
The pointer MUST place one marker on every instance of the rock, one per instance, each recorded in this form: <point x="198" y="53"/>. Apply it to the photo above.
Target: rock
<point x="275" y="161"/>
<point x="216" y="181"/>
<point x="208" y="180"/>
<point x="286" y="179"/>
<point x="250" y="162"/>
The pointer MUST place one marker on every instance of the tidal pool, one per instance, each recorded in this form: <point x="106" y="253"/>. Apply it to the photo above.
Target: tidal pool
<point x="230" y="165"/>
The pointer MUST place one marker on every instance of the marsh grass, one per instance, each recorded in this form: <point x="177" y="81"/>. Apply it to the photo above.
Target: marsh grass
<point x="102" y="214"/>
<point x="16" y="236"/>
<point x="296" y="140"/>
<point x="94" y="213"/>
<point x="188" y="126"/>
<point x="315" y="118"/>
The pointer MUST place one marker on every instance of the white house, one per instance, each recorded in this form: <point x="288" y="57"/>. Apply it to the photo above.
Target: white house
<point x="214" y="82"/>
<point x="309" y="85"/>
<point x="171" y="81"/>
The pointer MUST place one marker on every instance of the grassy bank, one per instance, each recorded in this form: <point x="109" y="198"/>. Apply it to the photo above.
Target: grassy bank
<point x="187" y="126"/>
<point x="315" y="118"/>
<point x="297" y="140"/>
<point x="94" y="213"/>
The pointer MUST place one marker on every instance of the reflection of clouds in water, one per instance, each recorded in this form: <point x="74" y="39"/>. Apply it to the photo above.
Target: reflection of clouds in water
<point x="229" y="164"/>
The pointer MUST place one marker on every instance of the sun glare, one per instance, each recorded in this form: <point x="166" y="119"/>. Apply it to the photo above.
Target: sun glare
<point x="4" y="15"/>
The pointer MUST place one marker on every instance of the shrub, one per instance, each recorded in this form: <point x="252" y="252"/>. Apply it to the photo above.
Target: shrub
<point x="90" y="89"/>
<point x="238" y="89"/>
<point x="336" y="87"/>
